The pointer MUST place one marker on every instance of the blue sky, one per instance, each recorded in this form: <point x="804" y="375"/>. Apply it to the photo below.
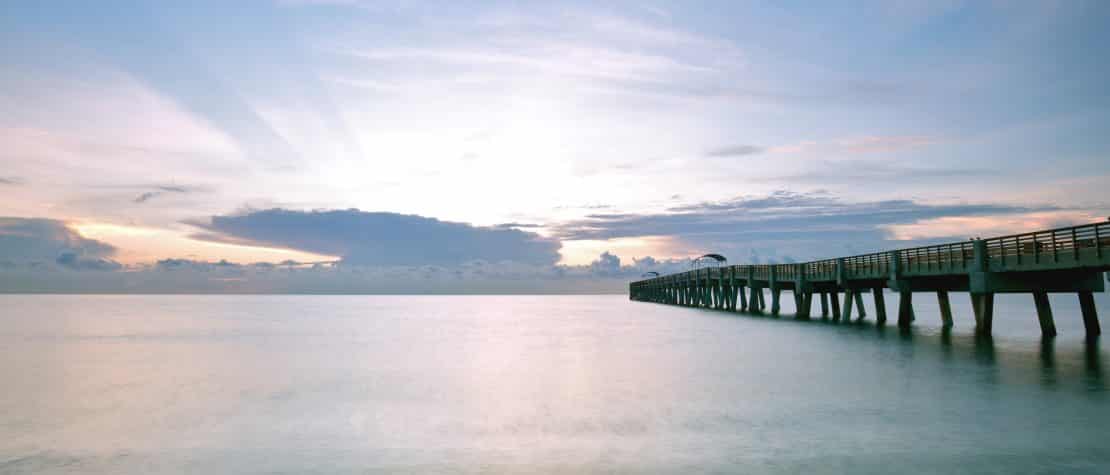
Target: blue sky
<point x="531" y="137"/>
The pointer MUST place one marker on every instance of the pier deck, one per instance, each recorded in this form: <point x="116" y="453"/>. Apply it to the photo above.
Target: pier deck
<point x="1071" y="259"/>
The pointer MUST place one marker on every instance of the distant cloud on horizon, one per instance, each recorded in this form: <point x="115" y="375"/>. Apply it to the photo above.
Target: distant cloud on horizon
<point x="44" y="255"/>
<point x="37" y="241"/>
<point x="381" y="238"/>
<point x="801" y="226"/>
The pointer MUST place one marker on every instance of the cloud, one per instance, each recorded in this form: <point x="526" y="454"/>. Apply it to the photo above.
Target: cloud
<point x="606" y="264"/>
<point x="380" y="238"/>
<point x="178" y="275"/>
<point x="856" y="171"/>
<point x="735" y="151"/>
<point x="859" y="145"/>
<point x="37" y="241"/>
<point x="780" y="225"/>
<point x="160" y="190"/>
<point x="10" y="180"/>
<point x="517" y="225"/>
<point x="71" y="260"/>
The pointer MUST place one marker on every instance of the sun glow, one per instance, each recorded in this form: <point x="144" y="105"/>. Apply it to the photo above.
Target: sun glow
<point x="137" y="244"/>
<point x="584" y="251"/>
<point x="986" y="226"/>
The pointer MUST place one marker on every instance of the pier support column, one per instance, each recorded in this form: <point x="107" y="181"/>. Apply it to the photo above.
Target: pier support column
<point x="905" y="308"/>
<point x="880" y="307"/>
<point x="753" y="301"/>
<point x="722" y="295"/>
<point x="835" y="297"/>
<point x="858" y="295"/>
<point x="710" y="294"/>
<point x="806" y="307"/>
<point x="983" y="304"/>
<point x="847" y="312"/>
<point x="945" y="308"/>
<point x="824" y="305"/>
<point x="701" y="292"/>
<point x="715" y="294"/>
<point x="1090" y="315"/>
<point x="1044" y="314"/>
<point x="732" y="289"/>
<point x="743" y="298"/>
<point x="706" y="295"/>
<point x="776" y="294"/>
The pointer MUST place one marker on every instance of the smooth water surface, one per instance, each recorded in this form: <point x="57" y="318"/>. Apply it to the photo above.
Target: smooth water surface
<point x="543" y="384"/>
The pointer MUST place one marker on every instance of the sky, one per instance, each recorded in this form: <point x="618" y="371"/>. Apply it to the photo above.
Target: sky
<point x="457" y="147"/>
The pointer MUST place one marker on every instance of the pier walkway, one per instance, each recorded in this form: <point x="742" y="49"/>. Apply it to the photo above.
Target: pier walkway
<point x="1070" y="260"/>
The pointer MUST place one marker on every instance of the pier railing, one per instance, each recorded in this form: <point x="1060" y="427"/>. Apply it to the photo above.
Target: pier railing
<point x="1073" y="246"/>
<point x="1070" y="259"/>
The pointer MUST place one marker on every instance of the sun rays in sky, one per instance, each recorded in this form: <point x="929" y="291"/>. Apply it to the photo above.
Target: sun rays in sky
<point x="558" y="130"/>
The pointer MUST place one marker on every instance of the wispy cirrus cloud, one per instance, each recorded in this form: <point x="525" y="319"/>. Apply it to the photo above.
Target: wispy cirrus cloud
<point x="159" y="190"/>
<point x="735" y="151"/>
<point x="847" y="172"/>
<point x="859" y="145"/>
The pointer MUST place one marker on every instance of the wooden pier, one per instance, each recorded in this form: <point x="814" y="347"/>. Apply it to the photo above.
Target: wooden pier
<point x="1070" y="260"/>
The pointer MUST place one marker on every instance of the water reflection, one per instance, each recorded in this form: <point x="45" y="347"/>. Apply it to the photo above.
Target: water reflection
<point x="1093" y="359"/>
<point x="996" y="362"/>
<point x="1048" y="362"/>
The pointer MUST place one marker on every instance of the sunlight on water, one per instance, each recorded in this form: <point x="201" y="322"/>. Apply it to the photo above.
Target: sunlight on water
<point x="552" y="384"/>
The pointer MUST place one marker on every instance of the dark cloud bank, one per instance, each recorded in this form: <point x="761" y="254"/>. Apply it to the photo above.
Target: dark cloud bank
<point x="376" y="238"/>
<point x="782" y="226"/>
<point x="49" y="242"/>
<point x="380" y="253"/>
<point x="393" y="253"/>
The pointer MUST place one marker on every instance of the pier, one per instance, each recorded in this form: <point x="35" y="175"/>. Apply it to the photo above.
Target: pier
<point x="1064" y="260"/>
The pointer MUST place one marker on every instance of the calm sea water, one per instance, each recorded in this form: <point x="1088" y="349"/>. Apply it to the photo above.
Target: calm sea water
<point x="545" y="384"/>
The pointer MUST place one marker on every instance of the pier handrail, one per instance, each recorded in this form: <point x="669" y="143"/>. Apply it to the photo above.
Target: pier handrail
<point x="1029" y="247"/>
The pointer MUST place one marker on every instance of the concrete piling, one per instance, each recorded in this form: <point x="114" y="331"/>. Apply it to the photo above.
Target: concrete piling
<point x="1044" y="314"/>
<point x="945" y="308"/>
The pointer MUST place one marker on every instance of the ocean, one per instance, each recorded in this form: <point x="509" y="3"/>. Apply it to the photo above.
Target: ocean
<point x="111" y="384"/>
